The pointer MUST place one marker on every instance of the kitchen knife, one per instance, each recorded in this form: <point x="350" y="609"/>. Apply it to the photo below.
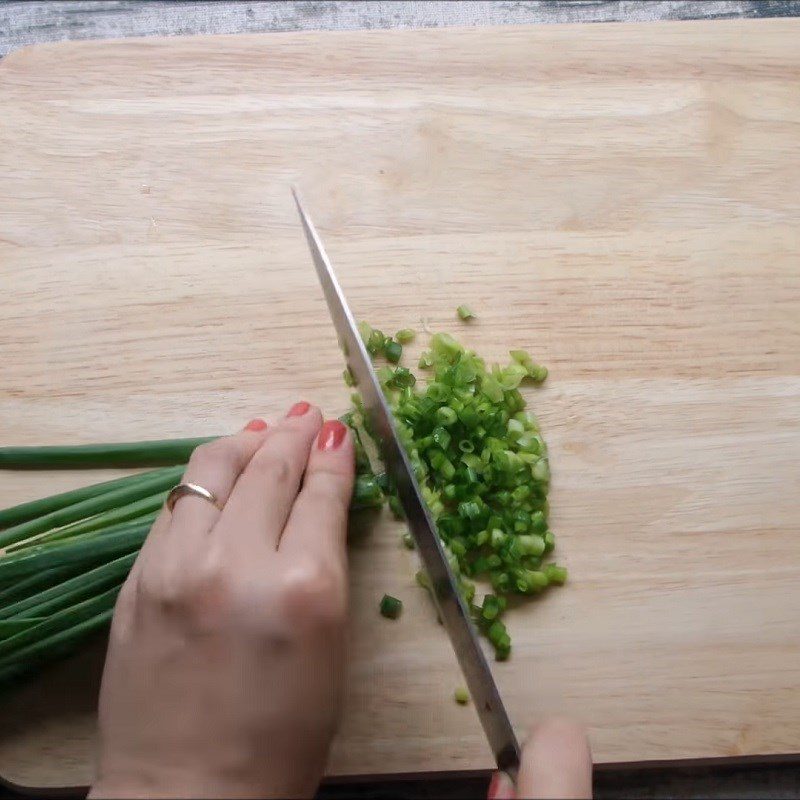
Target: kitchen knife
<point x="451" y="607"/>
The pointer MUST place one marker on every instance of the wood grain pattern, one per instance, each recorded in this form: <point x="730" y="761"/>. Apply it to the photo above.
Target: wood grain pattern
<point x="621" y="200"/>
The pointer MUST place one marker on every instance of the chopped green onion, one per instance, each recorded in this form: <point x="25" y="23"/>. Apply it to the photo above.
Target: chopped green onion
<point x="376" y="342"/>
<point x="425" y="361"/>
<point x="441" y="437"/>
<point x="541" y="470"/>
<point x="393" y="351"/>
<point x="556" y="574"/>
<point x="446" y="416"/>
<point x="534" y="371"/>
<point x="464" y="313"/>
<point x="396" y="508"/>
<point x="482" y="467"/>
<point x="367" y="492"/>
<point x="391" y="607"/>
<point x="405" y="336"/>
<point x="365" y="331"/>
<point x="402" y="378"/>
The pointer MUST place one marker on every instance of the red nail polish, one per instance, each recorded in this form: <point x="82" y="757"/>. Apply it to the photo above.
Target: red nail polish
<point x="298" y="409"/>
<point x="256" y="425"/>
<point x="331" y="435"/>
<point x="501" y="787"/>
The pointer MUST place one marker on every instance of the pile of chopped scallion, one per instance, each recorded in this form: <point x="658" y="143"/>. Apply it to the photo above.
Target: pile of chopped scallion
<point x="481" y="463"/>
<point x="478" y="455"/>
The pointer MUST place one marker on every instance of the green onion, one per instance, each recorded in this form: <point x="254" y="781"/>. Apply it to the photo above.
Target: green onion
<point x="51" y="647"/>
<point x="536" y="372"/>
<point x="367" y="493"/>
<point x="405" y="336"/>
<point x="393" y="351"/>
<point x="143" y="511"/>
<point x="555" y="574"/>
<point x="66" y="618"/>
<point x="72" y="590"/>
<point x="401" y="378"/>
<point x="37" y="508"/>
<point x="10" y="627"/>
<point x="365" y="331"/>
<point x="160" y="481"/>
<point x="87" y="456"/>
<point x="22" y="588"/>
<point x="86" y="549"/>
<point x="465" y="313"/>
<point x="390" y="606"/>
<point x="425" y="361"/>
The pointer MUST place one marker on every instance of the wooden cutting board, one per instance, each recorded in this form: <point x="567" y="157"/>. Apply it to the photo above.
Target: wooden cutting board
<point x="621" y="200"/>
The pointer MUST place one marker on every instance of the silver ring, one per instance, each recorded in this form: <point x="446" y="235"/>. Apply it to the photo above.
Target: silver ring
<point x="184" y="489"/>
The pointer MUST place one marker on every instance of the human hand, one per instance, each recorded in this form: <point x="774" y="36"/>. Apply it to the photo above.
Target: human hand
<point x="225" y="665"/>
<point x="556" y="763"/>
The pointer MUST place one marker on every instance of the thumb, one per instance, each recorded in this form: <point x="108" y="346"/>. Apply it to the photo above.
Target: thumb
<point x="556" y="762"/>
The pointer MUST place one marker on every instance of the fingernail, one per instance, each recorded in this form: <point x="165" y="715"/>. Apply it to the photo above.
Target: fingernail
<point x="256" y="425"/>
<point x="501" y="787"/>
<point x="298" y="409"/>
<point x="331" y="435"/>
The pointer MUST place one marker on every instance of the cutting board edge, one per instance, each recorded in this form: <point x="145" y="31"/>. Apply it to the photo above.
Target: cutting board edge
<point x="775" y="759"/>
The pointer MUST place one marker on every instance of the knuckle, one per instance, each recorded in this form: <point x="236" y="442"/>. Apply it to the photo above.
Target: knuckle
<point x="202" y="597"/>
<point x="219" y="453"/>
<point x="314" y="594"/>
<point x="155" y="589"/>
<point x="329" y="487"/>
<point x="273" y="465"/>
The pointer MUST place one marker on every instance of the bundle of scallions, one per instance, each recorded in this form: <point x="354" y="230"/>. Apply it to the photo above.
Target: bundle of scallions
<point x="478" y="455"/>
<point x="64" y="558"/>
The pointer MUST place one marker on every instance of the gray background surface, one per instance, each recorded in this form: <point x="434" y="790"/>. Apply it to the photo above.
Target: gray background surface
<point x="26" y="23"/>
<point x="23" y="23"/>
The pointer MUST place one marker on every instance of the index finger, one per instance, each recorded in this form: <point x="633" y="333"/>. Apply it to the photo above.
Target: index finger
<point x="318" y="520"/>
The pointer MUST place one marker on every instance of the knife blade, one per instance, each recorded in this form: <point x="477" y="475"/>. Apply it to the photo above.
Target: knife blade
<point x="452" y="610"/>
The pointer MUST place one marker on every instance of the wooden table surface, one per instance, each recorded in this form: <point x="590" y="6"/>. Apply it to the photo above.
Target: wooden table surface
<point x="659" y="281"/>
